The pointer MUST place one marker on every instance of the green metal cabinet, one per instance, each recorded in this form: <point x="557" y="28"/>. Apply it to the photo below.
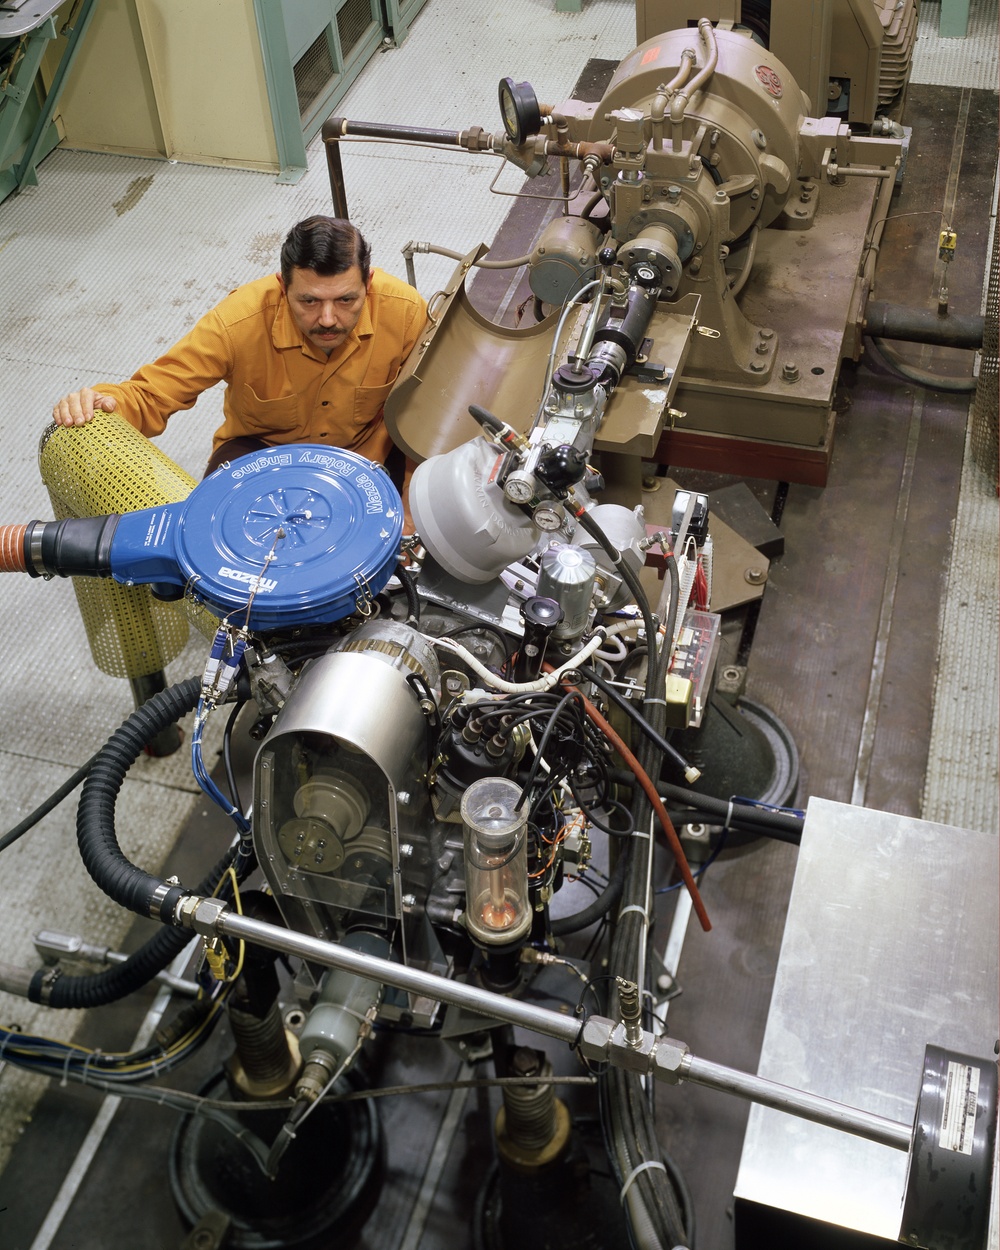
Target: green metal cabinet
<point x="313" y="50"/>
<point x="27" y="129"/>
<point x="398" y="16"/>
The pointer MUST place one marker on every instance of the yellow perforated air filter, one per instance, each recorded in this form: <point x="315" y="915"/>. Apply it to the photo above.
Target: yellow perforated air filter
<point x="108" y="467"/>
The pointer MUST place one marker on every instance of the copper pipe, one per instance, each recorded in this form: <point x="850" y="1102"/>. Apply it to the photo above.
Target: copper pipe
<point x="12" y="558"/>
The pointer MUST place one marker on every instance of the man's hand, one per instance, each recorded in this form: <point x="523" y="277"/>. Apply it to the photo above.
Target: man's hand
<point x="79" y="407"/>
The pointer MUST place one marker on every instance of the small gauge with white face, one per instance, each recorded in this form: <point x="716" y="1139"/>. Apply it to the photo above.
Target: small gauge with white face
<point x="548" y="516"/>
<point x="519" y="110"/>
<point x="519" y="487"/>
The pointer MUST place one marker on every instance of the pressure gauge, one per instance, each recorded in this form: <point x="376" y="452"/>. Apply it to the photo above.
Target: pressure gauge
<point x="548" y="516"/>
<point x="519" y="109"/>
<point x="519" y="487"/>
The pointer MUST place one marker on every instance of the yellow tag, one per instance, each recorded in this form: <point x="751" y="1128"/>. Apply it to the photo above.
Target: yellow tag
<point x="215" y="956"/>
<point x="946" y="244"/>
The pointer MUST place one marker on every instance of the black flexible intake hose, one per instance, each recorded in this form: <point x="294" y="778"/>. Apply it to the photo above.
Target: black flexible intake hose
<point x="114" y="873"/>
<point x="117" y="876"/>
<point x="97" y="989"/>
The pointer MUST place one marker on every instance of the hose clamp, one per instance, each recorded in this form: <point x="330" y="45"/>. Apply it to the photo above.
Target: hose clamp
<point x="50" y="977"/>
<point x="35" y="557"/>
<point x="157" y="900"/>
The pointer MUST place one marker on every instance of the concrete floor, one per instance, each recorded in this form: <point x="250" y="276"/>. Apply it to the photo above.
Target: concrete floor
<point x="877" y="564"/>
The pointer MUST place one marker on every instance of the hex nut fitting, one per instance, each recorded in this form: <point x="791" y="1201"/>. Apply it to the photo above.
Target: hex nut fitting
<point x="200" y="914"/>
<point x="595" y="1040"/>
<point x="670" y="1060"/>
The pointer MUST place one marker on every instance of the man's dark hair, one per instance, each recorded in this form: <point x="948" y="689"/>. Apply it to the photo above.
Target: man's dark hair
<point x="328" y="245"/>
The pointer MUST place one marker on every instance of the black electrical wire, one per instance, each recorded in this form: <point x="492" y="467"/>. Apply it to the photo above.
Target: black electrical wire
<point x="571" y="696"/>
<point x="582" y="879"/>
<point x="669" y="627"/>
<point x="544" y="796"/>
<point x="596" y="939"/>
<point x="410" y="590"/>
<point x="630" y="710"/>
<point x="227" y="755"/>
<point x="591" y="772"/>
<point x="591" y="782"/>
<point x="49" y="804"/>
<point x="616" y="806"/>
<point x="590" y="987"/>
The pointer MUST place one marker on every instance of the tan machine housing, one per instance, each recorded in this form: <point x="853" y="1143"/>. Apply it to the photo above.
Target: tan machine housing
<point x="851" y="56"/>
<point x="710" y="167"/>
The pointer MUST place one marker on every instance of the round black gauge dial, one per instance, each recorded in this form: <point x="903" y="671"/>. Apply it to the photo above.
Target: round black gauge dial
<point x="519" y="109"/>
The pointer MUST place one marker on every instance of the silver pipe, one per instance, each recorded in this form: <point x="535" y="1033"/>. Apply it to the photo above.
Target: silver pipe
<point x="550" y="364"/>
<point x="15" y="980"/>
<point x="797" y="1102"/>
<point x="589" y="329"/>
<point x="493" y="1006"/>
<point x="209" y="917"/>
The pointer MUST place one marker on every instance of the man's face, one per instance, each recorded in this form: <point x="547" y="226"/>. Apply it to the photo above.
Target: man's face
<point x="326" y="310"/>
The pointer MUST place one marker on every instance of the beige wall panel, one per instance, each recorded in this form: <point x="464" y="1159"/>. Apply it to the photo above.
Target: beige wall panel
<point x="107" y="103"/>
<point x="208" y="78"/>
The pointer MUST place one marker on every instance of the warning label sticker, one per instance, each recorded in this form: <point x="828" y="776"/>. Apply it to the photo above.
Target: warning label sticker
<point x="958" y="1123"/>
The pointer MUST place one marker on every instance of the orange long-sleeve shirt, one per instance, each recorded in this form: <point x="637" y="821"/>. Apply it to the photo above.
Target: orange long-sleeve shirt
<point x="279" y="387"/>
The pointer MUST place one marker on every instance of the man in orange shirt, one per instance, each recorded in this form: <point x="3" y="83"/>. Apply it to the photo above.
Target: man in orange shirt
<point x="307" y="355"/>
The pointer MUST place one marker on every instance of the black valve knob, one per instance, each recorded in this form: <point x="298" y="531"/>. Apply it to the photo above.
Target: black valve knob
<point x="607" y="256"/>
<point x="576" y="378"/>
<point x="561" y="467"/>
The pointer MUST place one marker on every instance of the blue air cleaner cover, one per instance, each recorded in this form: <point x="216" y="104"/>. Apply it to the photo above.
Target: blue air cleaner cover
<point x="329" y="520"/>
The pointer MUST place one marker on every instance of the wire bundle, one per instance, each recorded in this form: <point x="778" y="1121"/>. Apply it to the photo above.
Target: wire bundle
<point x="177" y="1043"/>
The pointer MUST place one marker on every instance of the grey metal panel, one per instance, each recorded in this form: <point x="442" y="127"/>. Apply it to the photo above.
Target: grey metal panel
<point x="17" y="17"/>
<point x="890" y="943"/>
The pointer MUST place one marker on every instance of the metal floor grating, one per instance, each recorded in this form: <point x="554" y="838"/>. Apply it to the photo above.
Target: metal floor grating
<point x="968" y="62"/>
